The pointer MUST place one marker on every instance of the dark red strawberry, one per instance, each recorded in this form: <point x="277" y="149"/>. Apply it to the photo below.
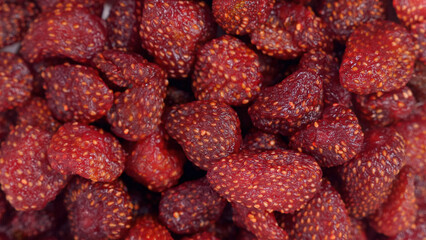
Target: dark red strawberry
<point x="418" y="31"/>
<point x="7" y="122"/>
<point x="95" y="6"/>
<point x="262" y="224"/>
<point x="416" y="232"/>
<point x="271" y="69"/>
<point x="176" y="96"/>
<point x="190" y="207"/>
<point x="87" y="151"/>
<point x="172" y="31"/>
<point x="201" y="236"/>
<point x="71" y="31"/>
<point x="25" y="174"/>
<point x="410" y="11"/>
<point x="398" y="213"/>
<point x="27" y="224"/>
<point x="344" y="16"/>
<point x="206" y="130"/>
<point x="36" y="113"/>
<point x="289" y="105"/>
<point x="368" y="67"/>
<point x="4" y="206"/>
<point x="38" y="68"/>
<point x="334" y="139"/>
<point x="367" y="179"/>
<point x="382" y="109"/>
<point x="148" y="228"/>
<point x="273" y="180"/>
<point x="241" y="17"/>
<point x="228" y="71"/>
<point x="246" y="235"/>
<point x="257" y="140"/>
<point x="417" y="83"/>
<point x="98" y="210"/>
<point x="358" y="229"/>
<point x="156" y="162"/>
<point x="324" y="217"/>
<point x="15" y="81"/>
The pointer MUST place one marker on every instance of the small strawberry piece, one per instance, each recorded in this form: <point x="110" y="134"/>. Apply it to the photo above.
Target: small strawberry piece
<point x="25" y="174"/>
<point x="398" y="213"/>
<point x="172" y="42"/>
<point x="87" y="151"/>
<point x="190" y="207"/>
<point x="156" y="162"/>
<point x="202" y="236"/>
<point x="241" y="17"/>
<point x="228" y="71"/>
<point x="257" y="140"/>
<point x="76" y="93"/>
<point x="36" y="113"/>
<point x="385" y="108"/>
<point x="38" y="68"/>
<point x="206" y="130"/>
<point x="417" y="83"/>
<point x="71" y="32"/>
<point x="344" y="16"/>
<point x="418" y="31"/>
<point x="15" y="81"/>
<point x="332" y="140"/>
<point x="98" y="210"/>
<point x="289" y="105"/>
<point x="367" y="179"/>
<point x="262" y="224"/>
<point x="284" y="180"/>
<point x="148" y="228"/>
<point x="324" y="217"/>
<point x="368" y="67"/>
<point x="410" y="11"/>
<point x="28" y="224"/>
<point x="358" y="230"/>
<point x="95" y="6"/>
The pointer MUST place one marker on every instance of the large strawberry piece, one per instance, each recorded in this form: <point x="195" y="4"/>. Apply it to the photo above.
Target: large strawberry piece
<point x="256" y="140"/>
<point x="37" y="113"/>
<point x="94" y="6"/>
<point x="206" y="130"/>
<point x="418" y="31"/>
<point x="410" y="11"/>
<point x="368" y="67"/>
<point x="273" y="180"/>
<point x="228" y="71"/>
<point x="25" y="174"/>
<point x="148" y="228"/>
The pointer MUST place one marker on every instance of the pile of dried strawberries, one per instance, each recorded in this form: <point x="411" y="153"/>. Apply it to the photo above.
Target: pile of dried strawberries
<point x="222" y="119"/>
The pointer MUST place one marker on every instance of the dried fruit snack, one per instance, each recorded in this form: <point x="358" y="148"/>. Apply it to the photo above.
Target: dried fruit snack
<point x="257" y="140"/>
<point x="36" y="112"/>
<point x="147" y="228"/>
<point x="410" y="11"/>
<point x="95" y="6"/>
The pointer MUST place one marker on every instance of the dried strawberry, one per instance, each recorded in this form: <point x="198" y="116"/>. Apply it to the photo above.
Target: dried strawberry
<point x="258" y="140"/>
<point x="271" y="69"/>
<point x="190" y="207"/>
<point x="98" y="210"/>
<point x="289" y="105"/>
<point x="262" y="224"/>
<point x="284" y="180"/>
<point x="344" y="16"/>
<point x="367" y="179"/>
<point x="176" y="96"/>
<point x="87" y="151"/>
<point x="334" y="139"/>
<point x="36" y="113"/>
<point x="241" y="17"/>
<point x="95" y="6"/>
<point x="358" y="229"/>
<point x="410" y="11"/>
<point x="76" y="93"/>
<point x="418" y="31"/>
<point x="156" y="162"/>
<point x="368" y="67"/>
<point x="172" y="31"/>
<point x="416" y="232"/>
<point x="6" y="123"/>
<point x="25" y="174"/>
<point x="417" y="83"/>
<point x="385" y="108"/>
<point x="26" y="224"/>
<point x="246" y="235"/>
<point x="38" y="68"/>
<point x="71" y="32"/>
<point x="202" y="236"/>
<point x="206" y="130"/>
<point x="398" y="213"/>
<point x="147" y="227"/>
<point x="15" y="81"/>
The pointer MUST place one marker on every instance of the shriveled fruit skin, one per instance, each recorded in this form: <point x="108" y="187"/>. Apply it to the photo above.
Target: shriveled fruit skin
<point x="284" y="180"/>
<point x="256" y="140"/>
<point x="368" y="67"/>
<point x="202" y="236"/>
<point x="206" y="130"/>
<point x="27" y="224"/>
<point x="417" y="83"/>
<point x="94" y="6"/>
<point x="367" y="179"/>
<point x="190" y="207"/>
<point x="410" y="11"/>
<point x="418" y="31"/>
<point x="146" y="228"/>
<point x="358" y="229"/>
<point x="37" y="113"/>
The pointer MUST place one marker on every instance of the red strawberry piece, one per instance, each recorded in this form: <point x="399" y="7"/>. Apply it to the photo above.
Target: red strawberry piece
<point x="148" y="227"/>
<point x="367" y="179"/>
<point x="76" y="93"/>
<point x="206" y="130"/>
<point x="289" y="105"/>
<point x="324" y="217"/>
<point x="28" y="224"/>
<point x="228" y="71"/>
<point x="257" y="140"/>
<point x="156" y="162"/>
<point x="241" y="17"/>
<point x="271" y="69"/>
<point x="172" y="42"/>
<point x="98" y="210"/>
<point x="202" y="236"/>
<point x="385" y="108"/>
<point x="71" y="32"/>
<point x="398" y="213"/>
<point x="418" y="31"/>
<point x="38" y="68"/>
<point x="416" y="232"/>
<point x="95" y="6"/>
<point x="7" y="120"/>
<point x="334" y="139"/>
<point x="262" y="224"/>
<point x="358" y="229"/>
<point x="190" y="207"/>
<point x="342" y="17"/>
<point x="368" y="67"/>
<point x="417" y="83"/>
<point x="37" y="113"/>
<point x="15" y="81"/>
<point x="273" y="180"/>
<point x="87" y="151"/>
<point x="410" y="11"/>
<point x="176" y="96"/>
<point x="25" y="174"/>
